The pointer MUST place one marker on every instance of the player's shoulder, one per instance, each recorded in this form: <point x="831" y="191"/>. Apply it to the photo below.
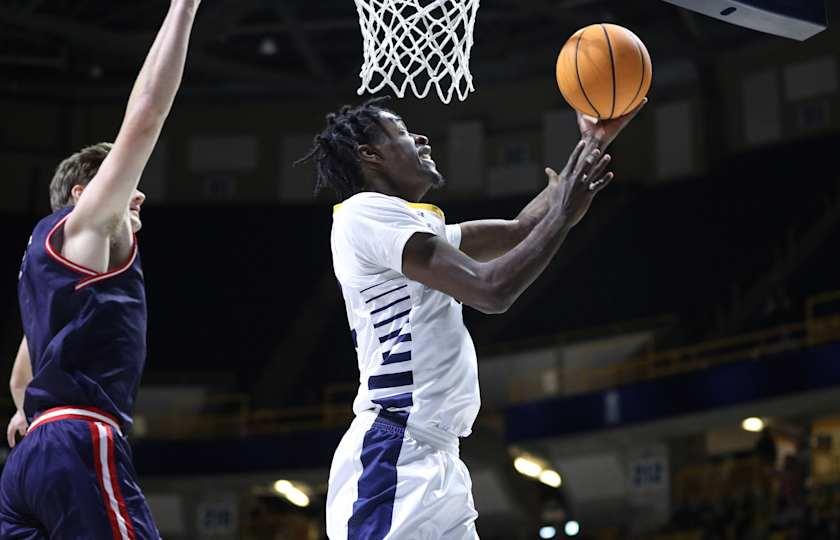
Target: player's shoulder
<point x="369" y="202"/>
<point x="371" y="211"/>
<point x="50" y="223"/>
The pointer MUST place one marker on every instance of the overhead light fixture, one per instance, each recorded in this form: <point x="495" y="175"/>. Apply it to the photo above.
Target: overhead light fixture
<point x="551" y="478"/>
<point x="527" y="466"/>
<point x="292" y="494"/>
<point x="572" y="528"/>
<point x="548" y="532"/>
<point x="268" y="47"/>
<point x="753" y="424"/>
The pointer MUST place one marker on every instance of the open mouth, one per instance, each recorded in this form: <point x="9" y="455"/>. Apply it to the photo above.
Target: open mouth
<point x="426" y="153"/>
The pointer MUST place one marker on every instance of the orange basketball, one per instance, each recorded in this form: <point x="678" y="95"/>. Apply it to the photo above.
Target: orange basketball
<point x="604" y="70"/>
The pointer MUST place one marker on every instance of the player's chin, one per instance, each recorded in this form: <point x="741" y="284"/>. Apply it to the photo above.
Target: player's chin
<point x="136" y="223"/>
<point x="435" y="178"/>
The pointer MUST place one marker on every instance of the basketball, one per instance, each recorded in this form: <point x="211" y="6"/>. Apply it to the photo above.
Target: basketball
<point x="604" y="70"/>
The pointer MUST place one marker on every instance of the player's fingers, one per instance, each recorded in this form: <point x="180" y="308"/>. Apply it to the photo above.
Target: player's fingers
<point x="23" y="428"/>
<point x="598" y="170"/>
<point x="551" y="173"/>
<point x="573" y="159"/>
<point x="600" y="184"/>
<point x="638" y="108"/>
<point x="10" y="435"/>
<point x="589" y="160"/>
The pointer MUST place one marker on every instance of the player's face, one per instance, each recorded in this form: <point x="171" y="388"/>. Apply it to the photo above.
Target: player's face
<point x="408" y="156"/>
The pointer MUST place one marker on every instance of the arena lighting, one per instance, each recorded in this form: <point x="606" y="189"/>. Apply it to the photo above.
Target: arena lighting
<point x="527" y="466"/>
<point x="291" y="493"/>
<point x="548" y="532"/>
<point x="268" y="47"/>
<point x="551" y="478"/>
<point x="753" y="424"/>
<point x="572" y="528"/>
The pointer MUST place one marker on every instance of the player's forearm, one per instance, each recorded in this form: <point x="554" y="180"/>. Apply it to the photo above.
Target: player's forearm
<point x="535" y="210"/>
<point x="21" y="374"/>
<point x="18" y="393"/>
<point x="487" y="239"/>
<point x="509" y="275"/>
<point x="160" y="77"/>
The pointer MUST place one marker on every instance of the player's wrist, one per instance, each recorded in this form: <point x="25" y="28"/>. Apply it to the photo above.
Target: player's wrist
<point x="189" y="5"/>
<point x="559" y="218"/>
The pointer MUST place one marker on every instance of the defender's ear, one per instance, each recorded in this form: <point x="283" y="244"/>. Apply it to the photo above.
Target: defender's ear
<point x="76" y="192"/>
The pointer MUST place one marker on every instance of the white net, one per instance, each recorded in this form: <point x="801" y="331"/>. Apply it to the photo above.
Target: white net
<point x="418" y="44"/>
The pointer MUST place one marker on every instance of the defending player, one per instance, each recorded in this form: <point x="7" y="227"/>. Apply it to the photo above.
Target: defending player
<point x="83" y="308"/>
<point x="404" y="274"/>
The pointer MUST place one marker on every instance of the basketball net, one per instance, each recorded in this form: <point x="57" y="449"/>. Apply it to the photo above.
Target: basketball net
<point x="409" y="44"/>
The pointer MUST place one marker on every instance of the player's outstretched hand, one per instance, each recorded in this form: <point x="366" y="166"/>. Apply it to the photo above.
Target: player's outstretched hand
<point x="17" y="424"/>
<point x="604" y="132"/>
<point x="580" y="180"/>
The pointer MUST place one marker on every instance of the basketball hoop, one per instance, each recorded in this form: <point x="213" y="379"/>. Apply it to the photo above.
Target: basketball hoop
<point x="417" y="44"/>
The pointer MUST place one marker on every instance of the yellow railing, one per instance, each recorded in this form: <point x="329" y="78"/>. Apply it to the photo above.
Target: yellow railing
<point x="821" y="325"/>
<point x="235" y="416"/>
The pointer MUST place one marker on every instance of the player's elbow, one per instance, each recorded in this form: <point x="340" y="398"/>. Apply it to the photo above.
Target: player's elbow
<point x="146" y="114"/>
<point x="492" y="308"/>
<point x="495" y="298"/>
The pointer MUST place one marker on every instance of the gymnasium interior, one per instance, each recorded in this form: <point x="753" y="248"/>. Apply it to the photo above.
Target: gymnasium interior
<point x="673" y="375"/>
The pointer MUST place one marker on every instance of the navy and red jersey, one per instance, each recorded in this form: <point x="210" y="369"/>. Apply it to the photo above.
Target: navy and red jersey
<point x="86" y="330"/>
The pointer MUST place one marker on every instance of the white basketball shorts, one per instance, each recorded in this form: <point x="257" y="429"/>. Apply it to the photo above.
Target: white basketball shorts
<point x="389" y="482"/>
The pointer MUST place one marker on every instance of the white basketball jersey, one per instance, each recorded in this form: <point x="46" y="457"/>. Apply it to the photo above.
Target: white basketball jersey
<point x="415" y="355"/>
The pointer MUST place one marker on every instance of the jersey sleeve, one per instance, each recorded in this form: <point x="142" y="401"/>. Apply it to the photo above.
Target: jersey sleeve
<point x="377" y="229"/>
<point x="453" y="235"/>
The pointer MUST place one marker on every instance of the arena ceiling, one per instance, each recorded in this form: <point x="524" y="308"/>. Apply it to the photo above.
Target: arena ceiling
<point x="303" y="47"/>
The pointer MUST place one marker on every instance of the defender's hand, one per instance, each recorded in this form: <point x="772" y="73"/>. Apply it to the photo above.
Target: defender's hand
<point x="604" y="132"/>
<point x="580" y="180"/>
<point x="17" y="424"/>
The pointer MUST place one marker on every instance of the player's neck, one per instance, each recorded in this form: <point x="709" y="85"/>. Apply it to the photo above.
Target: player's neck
<point x="388" y="188"/>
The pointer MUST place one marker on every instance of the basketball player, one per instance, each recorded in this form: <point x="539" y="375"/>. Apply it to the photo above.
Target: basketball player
<point x="404" y="275"/>
<point x="83" y="308"/>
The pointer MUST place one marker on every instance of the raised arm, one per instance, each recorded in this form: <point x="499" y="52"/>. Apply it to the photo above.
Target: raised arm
<point x="21" y="376"/>
<point x="487" y="239"/>
<point x="493" y="286"/>
<point x="101" y="210"/>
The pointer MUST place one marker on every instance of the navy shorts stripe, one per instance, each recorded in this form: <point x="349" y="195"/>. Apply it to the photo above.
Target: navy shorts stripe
<point x="390" y="380"/>
<point x="374" y="508"/>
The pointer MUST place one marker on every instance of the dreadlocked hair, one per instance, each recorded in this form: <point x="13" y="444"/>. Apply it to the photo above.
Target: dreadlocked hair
<point x="335" y="150"/>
